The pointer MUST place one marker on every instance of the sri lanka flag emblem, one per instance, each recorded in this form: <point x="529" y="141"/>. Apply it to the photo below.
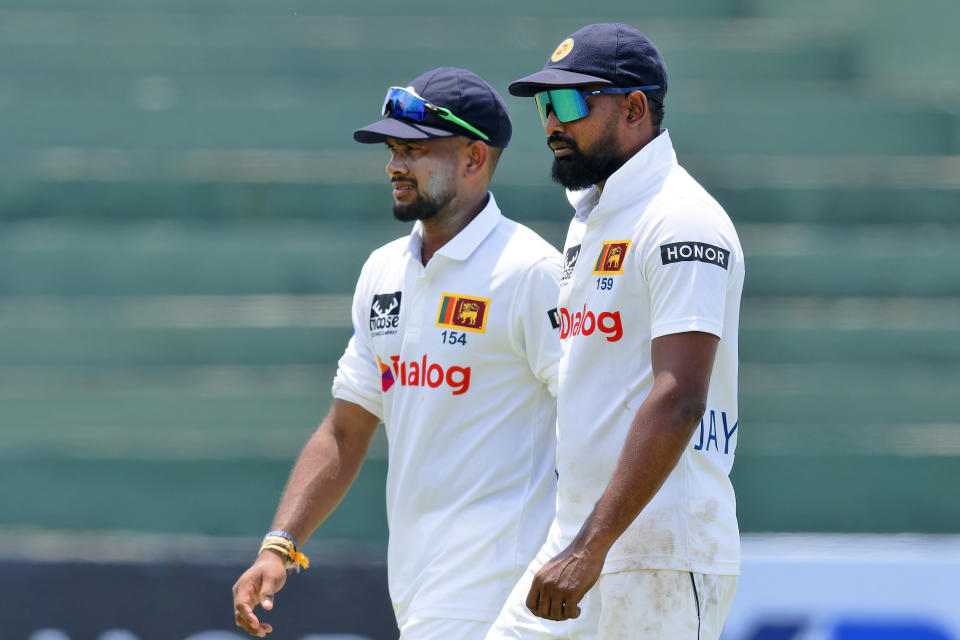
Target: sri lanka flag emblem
<point x="466" y="313"/>
<point x="610" y="260"/>
<point x="386" y="375"/>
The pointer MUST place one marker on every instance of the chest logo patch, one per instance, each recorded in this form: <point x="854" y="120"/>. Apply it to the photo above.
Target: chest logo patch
<point x="467" y="313"/>
<point x="694" y="252"/>
<point x="569" y="262"/>
<point x="385" y="313"/>
<point x="610" y="260"/>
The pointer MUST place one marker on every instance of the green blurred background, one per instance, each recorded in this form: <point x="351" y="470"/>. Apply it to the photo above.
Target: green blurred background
<point x="184" y="213"/>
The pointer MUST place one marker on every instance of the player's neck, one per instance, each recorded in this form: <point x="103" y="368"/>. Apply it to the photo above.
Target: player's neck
<point x="443" y="227"/>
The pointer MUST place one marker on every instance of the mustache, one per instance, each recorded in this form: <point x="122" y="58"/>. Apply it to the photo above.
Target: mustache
<point x="557" y="138"/>
<point x="409" y="181"/>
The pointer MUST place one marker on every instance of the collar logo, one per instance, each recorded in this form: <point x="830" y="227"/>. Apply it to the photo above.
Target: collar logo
<point x="561" y="51"/>
<point x="466" y="313"/>
<point x="569" y="262"/>
<point x="610" y="260"/>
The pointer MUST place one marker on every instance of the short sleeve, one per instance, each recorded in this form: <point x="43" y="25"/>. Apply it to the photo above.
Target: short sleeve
<point x="685" y="262"/>
<point x="358" y="375"/>
<point x="534" y="326"/>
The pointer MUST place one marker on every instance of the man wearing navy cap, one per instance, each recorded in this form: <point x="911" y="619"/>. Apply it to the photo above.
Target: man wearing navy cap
<point x="455" y="350"/>
<point x="645" y="542"/>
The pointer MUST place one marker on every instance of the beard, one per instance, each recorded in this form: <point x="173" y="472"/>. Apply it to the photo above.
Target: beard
<point x="420" y="209"/>
<point x="583" y="169"/>
<point x="425" y="206"/>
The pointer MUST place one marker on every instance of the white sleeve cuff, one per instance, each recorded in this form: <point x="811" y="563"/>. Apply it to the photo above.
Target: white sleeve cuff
<point x="342" y="392"/>
<point x="704" y="325"/>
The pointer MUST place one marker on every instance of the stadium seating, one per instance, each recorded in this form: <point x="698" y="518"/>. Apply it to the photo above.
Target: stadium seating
<point x="184" y="213"/>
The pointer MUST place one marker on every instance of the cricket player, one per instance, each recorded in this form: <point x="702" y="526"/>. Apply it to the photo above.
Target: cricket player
<point x="455" y="349"/>
<point x="645" y="541"/>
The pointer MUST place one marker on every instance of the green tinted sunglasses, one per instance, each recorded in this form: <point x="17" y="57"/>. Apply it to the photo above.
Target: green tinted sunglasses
<point x="571" y="104"/>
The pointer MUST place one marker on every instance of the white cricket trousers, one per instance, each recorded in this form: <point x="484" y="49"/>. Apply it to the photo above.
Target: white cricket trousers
<point x="443" y="629"/>
<point x="628" y="605"/>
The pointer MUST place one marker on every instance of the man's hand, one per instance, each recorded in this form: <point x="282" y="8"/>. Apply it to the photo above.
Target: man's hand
<point x="561" y="583"/>
<point x="256" y="586"/>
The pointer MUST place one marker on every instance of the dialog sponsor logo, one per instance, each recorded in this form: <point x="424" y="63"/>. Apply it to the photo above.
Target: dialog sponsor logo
<point x="585" y="322"/>
<point x="422" y="373"/>
<point x="386" y="375"/>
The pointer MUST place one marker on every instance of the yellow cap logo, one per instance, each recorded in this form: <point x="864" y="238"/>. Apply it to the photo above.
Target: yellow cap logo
<point x="565" y="47"/>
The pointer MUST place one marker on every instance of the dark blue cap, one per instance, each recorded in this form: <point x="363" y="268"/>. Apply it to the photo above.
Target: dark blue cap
<point x="465" y="94"/>
<point x="614" y="55"/>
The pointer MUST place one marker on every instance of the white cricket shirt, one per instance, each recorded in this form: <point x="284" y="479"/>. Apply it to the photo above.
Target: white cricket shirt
<point x="653" y="255"/>
<point x="459" y="359"/>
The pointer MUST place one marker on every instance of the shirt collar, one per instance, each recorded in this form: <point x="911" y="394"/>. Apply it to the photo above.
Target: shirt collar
<point x="637" y="174"/>
<point x="462" y="245"/>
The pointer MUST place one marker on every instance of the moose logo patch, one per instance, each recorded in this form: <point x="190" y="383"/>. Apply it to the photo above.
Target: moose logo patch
<point x="385" y="313"/>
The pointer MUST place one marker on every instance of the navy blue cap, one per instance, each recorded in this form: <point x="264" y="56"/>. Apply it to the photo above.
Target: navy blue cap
<point x="611" y="54"/>
<point x="465" y="94"/>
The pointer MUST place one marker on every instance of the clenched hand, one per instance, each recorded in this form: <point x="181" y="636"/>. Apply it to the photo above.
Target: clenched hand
<point x="561" y="583"/>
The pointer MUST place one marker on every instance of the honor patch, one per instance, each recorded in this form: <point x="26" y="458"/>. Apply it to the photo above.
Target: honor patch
<point x="694" y="252"/>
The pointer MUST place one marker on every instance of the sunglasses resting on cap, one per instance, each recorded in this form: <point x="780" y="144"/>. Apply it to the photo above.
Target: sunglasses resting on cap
<point x="404" y="102"/>
<point x="571" y="104"/>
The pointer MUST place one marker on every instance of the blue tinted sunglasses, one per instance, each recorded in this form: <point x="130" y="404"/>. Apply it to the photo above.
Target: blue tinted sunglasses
<point x="571" y="104"/>
<point x="405" y="102"/>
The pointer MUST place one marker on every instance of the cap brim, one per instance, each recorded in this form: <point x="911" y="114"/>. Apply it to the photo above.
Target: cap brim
<point x="400" y="129"/>
<point x="551" y="79"/>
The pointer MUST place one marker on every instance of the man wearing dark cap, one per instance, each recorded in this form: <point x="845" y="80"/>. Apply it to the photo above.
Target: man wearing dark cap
<point x="644" y="543"/>
<point x="455" y="351"/>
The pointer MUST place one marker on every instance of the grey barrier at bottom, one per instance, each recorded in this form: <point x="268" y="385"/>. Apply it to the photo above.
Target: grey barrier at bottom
<point x="179" y="601"/>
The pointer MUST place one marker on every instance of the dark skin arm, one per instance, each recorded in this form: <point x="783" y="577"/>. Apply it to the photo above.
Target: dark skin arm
<point x="324" y="471"/>
<point x="660" y="432"/>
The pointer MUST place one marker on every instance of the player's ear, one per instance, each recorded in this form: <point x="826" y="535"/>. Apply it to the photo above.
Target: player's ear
<point x="477" y="157"/>
<point x="638" y="109"/>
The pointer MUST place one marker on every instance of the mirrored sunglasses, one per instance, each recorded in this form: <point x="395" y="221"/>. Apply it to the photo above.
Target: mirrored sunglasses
<point x="571" y="104"/>
<point x="404" y="102"/>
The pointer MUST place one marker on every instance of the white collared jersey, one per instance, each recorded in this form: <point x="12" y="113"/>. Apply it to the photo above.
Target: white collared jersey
<point x="459" y="359"/>
<point x="653" y="255"/>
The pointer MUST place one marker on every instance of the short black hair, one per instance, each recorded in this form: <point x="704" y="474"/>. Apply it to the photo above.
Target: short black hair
<point x="656" y="112"/>
<point x="493" y="157"/>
